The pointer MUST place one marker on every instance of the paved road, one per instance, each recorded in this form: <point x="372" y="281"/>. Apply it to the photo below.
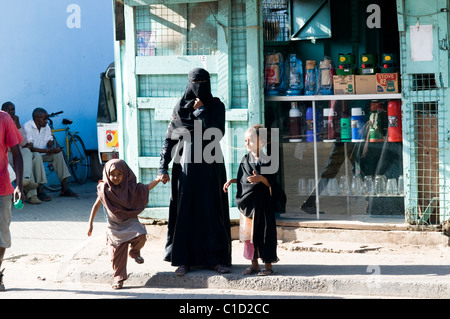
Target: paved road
<point x="52" y="257"/>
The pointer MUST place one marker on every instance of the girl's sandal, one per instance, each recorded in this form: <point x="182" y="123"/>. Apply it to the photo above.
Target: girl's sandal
<point x="250" y="271"/>
<point x="265" y="272"/>
<point x="117" y="284"/>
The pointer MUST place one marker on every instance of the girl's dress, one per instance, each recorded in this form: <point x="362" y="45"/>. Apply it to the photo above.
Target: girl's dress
<point x="123" y="204"/>
<point x="259" y="203"/>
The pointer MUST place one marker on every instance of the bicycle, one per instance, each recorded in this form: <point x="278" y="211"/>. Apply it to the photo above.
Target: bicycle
<point x="74" y="153"/>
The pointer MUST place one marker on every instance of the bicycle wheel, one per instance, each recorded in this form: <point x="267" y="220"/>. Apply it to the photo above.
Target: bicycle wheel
<point x="53" y="184"/>
<point x="78" y="160"/>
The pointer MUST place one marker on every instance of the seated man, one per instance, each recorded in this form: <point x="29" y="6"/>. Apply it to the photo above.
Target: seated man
<point x="41" y="142"/>
<point x="31" y="163"/>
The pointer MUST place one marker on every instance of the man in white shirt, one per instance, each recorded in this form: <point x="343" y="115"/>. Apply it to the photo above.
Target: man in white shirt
<point x="41" y="142"/>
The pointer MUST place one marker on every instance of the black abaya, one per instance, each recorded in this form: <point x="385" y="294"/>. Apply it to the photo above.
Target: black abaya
<point x="199" y="221"/>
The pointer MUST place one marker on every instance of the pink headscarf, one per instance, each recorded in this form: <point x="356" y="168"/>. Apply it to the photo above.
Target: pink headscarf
<point x="126" y="200"/>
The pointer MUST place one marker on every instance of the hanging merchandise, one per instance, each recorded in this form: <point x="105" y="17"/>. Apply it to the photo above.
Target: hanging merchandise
<point x="294" y="75"/>
<point x="395" y="121"/>
<point x="295" y="123"/>
<point x="357" y="124"/>
<point x="326" y="72"/>
<point x="310" y="124"/>
<point x="368" y="64"/>
<point x="377" y="122"/>
<point x="346" y="64"/>
<point x="273" y="73"/>
<point x="310" y="77"/>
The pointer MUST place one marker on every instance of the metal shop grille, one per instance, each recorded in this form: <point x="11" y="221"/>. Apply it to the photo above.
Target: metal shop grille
<point x="422" y="82"/>
<point x="159" y="196"/>
<point x="238" y="45"/>
<point x="426" y="146"/>
<point x="275" y="20"/>
<point x="179" y="29"/>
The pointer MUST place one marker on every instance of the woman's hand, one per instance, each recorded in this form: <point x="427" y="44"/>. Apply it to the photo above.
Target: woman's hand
<point x="164" y="178"/>
<point x="198" y="104"/>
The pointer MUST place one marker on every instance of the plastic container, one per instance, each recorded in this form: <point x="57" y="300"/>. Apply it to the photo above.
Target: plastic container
<point x="295" y="123"/>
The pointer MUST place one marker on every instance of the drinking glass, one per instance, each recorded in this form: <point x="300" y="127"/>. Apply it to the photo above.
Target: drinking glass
<point x="311" y="185"/>
<point x="401" y="187"/>
<point x="302" y="187"/>
<point x="391" y="186"/>
<point x="332" y="187"/>
<point x="357" y="185"/>
<point x="368" y="185"/>
<point x="344" y="185"/>
<point x="380" y="184"/>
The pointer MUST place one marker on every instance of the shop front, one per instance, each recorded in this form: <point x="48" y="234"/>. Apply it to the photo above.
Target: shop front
<point x="354" y="93"/>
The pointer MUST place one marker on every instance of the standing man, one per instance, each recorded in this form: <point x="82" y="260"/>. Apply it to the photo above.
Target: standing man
<point x="40" y="138"/>
<point x="9" y="138"/>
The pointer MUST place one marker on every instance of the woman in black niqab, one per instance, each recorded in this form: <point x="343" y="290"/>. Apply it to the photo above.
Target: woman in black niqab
<point x="199" y="222"/>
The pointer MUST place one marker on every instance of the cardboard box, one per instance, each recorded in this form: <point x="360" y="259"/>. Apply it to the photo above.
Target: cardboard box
<point x="344" y="84"/>
<point x="366" y="84"/>
<point x="387" y="83"/>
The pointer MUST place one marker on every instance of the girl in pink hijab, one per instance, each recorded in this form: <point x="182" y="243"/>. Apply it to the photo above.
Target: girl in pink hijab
<point x="123" y="199"/>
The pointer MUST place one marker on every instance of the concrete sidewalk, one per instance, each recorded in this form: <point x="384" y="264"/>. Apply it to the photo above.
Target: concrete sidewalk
<point x="355" y="261"/>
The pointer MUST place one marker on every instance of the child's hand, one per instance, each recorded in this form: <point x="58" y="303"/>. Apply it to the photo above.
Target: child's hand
<point x="226" y="185"/>
<point x="255" y="178"/>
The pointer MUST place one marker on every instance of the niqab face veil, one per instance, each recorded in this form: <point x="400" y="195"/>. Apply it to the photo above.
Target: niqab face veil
<point x="126" y="200"/>
<point x="199" y="86"/>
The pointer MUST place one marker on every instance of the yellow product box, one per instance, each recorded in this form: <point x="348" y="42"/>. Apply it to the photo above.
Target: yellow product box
<point x="387" y="83"/>
<point x="344" y="84"/>
<point x="366" y="84"/>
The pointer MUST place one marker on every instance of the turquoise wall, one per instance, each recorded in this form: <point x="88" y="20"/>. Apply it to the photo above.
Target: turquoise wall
<point x="52" y="53"/>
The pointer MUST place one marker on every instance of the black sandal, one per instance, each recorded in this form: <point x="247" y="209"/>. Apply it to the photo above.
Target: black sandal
<point x="265" y="272"/>
<point x="182" y="270"/>
<point x="250" y="271"/>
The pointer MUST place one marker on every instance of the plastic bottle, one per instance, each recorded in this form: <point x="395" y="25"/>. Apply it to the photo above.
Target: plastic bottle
<point x="395" y="121"/>
<point x="310" y="77"/>
<point x="295" y="123"/>
<point x="294" y="75"/>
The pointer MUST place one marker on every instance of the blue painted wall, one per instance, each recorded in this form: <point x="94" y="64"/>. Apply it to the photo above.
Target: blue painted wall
<point x="51" y="55"/>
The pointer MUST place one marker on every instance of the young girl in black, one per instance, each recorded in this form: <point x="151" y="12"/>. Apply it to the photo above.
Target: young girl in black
<point x="258" y="197"/>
